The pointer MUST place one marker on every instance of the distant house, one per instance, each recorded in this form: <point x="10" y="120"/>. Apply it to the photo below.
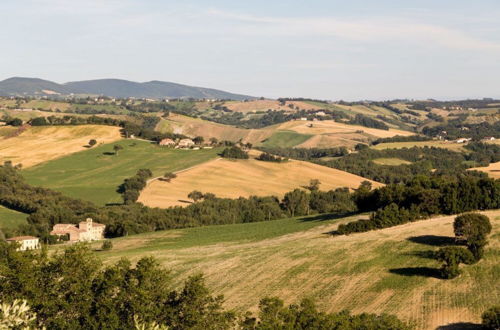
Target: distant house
<point x="185" y="143"/>
<point x="462" y="140"/>
<point x="26" y="242"/>
<point x="303" y="118"/>
<point x="167" y="142"/>
<point x="489" y="138"/>
<point x="85" y="231"/>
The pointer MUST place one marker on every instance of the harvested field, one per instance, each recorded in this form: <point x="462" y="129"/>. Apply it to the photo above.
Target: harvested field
<point x="235" y="178"/>
<point x="43" y="143"/>
<point x="383" y="271"/>
<point x="390" y="161"/>
<point x="437" y="144"/>
<point x="493" y="170"/>
<point x="264" y="105"/>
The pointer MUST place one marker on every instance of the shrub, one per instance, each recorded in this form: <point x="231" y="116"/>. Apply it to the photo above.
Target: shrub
<point x="491" y="318"/>
<point x="234" y="153"/>
<point x="452" y="257"/>
<point x="107" y="245"/>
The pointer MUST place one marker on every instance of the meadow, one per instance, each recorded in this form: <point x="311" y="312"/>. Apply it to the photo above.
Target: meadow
<point x="10" y="218"/>
<point x="285" y="139"/>
<point x="244" y="178"/>
<point x="386" y="270"/>
<point x="390" y="161"/>
<point x="96" y="173"/>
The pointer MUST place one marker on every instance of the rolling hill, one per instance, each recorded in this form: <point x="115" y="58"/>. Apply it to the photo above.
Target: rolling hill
<point x="113" y="88"/>
<point x="244" y="178"/>
<point x="383" y="271"/>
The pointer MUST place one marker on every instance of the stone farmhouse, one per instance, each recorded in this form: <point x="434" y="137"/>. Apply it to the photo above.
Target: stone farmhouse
<point x="167" y="142"/>
<point x="83" y="232"/>
<point x="26" y="242"/>
<point x="185" y="143"/>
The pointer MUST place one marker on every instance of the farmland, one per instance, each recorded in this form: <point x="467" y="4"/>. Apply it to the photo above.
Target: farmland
<point x="380" y="271"/>
<point x="285" y="139"/>
<point x="235" y="178"/>
<point x="390" y="161"/>
<point x="437" y="144"/>
<point x="96" y="173"/>
<point x="493" y="170"/>
<point x="43" y="143"/>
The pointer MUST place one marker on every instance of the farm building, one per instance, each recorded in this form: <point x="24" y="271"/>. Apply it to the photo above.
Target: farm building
<point x="185" y="143"/>
<point x="85" y="231"/>
<point x="167" y="142"/>
<point x="26" y="242"/>
<point x="462" y="140"/>
<point x="489" y="138"/>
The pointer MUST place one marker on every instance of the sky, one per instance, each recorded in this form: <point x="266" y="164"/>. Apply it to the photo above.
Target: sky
<point x="335" y="50"/>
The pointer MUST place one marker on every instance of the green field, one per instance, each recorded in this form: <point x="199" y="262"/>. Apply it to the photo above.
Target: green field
<point x="96" y="173"/>
<point x="386" y="270"/>
<point x="390" y="161"/>
<point x="10" y="218"/>
<point x="285" y="139"/>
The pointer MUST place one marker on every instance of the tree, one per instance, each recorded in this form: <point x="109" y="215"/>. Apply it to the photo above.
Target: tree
<point x="314" y="185"/>
<point x="107" y="245"/>
<point x="92" y="142"/>
<point x="15" y="122"/>
<point x="117" y="148"/>
<point x="198" y="140"/>
<point x="452" y="257"/>
<point x="491" y="318"/>
<point x="296" y="202"/>
<point x="195" y="195"/>
<point x="234" y="153"/>
<point x="169" y="176"/>
<point x="214" y="141"/>
<point x="474" y="229"/>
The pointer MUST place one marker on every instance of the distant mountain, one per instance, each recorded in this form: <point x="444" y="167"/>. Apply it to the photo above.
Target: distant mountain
<point x="18" y="86"/>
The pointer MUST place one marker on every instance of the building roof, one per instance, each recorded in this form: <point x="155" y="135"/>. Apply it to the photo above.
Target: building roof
<point x="21" y="238"/>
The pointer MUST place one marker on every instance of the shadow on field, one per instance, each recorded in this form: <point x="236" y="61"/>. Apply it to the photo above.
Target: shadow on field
<point x="433" y="240"/>
<point x="326" y="216"/>
<point x="108" y="153"/>
<point x="416" y="271"/>
<point x="460" y="326"/>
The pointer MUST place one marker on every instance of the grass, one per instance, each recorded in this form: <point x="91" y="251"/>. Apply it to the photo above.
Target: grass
<point x="96" y="173"/>
<point x="244" y="178"/>
<point x="387" y="270"/>
<point x="390" y="161"/>
<point x="285" y="139"/>
<point x="438" y="144"/>
<point x="10" y="218"/>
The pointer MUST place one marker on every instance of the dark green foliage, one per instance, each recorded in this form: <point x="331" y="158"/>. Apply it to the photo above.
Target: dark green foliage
<point x="400" y="138"/>
<point x="455" y="130"/>
<point x="296" y="202"/>
<point x="422" y="197"/>
<point x="73" y="290"/>
<point x="195" y="195"/>
<point x="452" y="257"/>
<point x="92" y="142"/>
<point x="131" y="187"/>
<point x="366" y="121"/>
<point x="267" y="157"/>
<point x="474" y="229"/>
<point x="273" y="314"/>
<point x="169" y="176"/>
<point x="234" y="153"/>
<point x="39" y="121"/>
<point x="491" y="318"/>
<point x="15" y="122"/>
<point x="306" y="153"/>
<point x="106" y="245"/>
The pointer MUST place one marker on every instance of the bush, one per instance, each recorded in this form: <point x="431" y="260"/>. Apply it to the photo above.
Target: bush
<point x="234" y="153"/>
<point x="491" y="318"/>
<point x="452" y="257"/>
<point x="474" y="229"/>
<point x="107" y="245"/>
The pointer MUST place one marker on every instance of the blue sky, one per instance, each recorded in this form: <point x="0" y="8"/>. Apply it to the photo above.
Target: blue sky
<point x="349" y="50"/>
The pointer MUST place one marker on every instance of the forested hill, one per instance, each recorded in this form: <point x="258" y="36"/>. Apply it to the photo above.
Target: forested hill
<point x="18" y="86"/>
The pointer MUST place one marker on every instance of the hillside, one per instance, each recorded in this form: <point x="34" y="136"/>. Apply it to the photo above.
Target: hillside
<point x="39" y="144"/>
<point x="243" y="178"/>
<point x="381" y="271"/>
<point x="18" y="86"/>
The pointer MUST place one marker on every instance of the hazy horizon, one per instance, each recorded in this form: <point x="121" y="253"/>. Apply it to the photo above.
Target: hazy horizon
<point x="320" y="49"/>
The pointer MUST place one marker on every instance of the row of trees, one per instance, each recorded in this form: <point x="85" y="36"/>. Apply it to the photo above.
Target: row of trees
<point x="131" y="188"/>
<point x="267" y="157"/>
<point x="234" y="153"/>
<point x="74" y="290"/>
<point x="421" y="198"/>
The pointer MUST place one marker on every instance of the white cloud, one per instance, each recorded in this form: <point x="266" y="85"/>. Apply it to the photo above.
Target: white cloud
<point x="367" y="30"/>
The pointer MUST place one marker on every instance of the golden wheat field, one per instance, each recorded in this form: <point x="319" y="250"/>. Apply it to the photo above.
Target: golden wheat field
<point x="383" y="271"/>
<point x="235" y="178"/>
<point x="39" y="144"/>
<point x="493" y="170"/>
